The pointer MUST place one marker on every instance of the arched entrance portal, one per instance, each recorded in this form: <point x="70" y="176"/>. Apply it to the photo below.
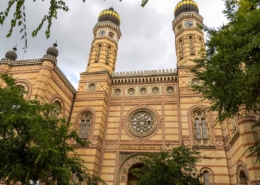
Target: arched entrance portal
<point x="131" y="179"/>
<point x="130" y="162"/>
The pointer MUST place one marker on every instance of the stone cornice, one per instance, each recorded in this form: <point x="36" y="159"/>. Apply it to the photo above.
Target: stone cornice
<point x="21" y="62"/>
<point x="144" y="77"/>
<point x="108" y="24"/>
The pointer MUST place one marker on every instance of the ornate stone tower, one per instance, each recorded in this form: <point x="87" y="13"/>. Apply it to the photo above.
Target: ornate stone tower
<point x="189" y="38"/>
<point x="104" y="47"/>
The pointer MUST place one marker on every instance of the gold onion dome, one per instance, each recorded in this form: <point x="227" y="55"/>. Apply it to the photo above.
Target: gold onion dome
<point x="109" y="15"/>
<point x="186" y="6"/>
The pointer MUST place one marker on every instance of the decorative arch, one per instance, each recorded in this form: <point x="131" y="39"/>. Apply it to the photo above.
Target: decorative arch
<point x="126" y="166"/>
<point x="27" y="87"/>
<point x="109" y="49"/>
<point x="191" y="40"/>
<point x="242" y="174"/>
<point x="181" y="47"/>
<point x="85" y="119"/>
<point x="58" y="98"/>
<point x="207" y="176"/>
<point x="158" y="122"/>
<point x="98" y="51"/>
<point x="201" y="42"/>
<point x="203" y="121"/>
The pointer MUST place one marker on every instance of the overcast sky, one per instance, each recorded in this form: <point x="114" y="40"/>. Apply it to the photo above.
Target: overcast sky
<point x="147" y="41"/>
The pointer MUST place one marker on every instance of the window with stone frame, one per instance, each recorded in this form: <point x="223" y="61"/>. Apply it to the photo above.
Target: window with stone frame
<point x="191" y="41"/>
<point x="85" y="124"/>
<point x="200" y="127"/>
<point x="57" y="109"/>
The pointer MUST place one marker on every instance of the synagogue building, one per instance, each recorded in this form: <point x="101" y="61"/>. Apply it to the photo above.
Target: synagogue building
<point x="124" y="114"/>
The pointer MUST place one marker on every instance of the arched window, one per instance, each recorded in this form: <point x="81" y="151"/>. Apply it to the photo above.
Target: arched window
<point x="22" y="88"/>
<point x="84" y="124"/>
<point x="200" y="127"/>
<point x="191" y="45"/>
<point x="108" y="54"/>
<point x="201" y="42"/>
<point x="98" y="53"/>
<point x="56" y="112"/>
<point x="181" y="48"/>
<point x="206" y="180"/>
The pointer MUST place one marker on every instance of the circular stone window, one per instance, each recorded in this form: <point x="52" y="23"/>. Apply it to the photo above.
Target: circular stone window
<point x="91" y="86"/>
<point x="131" y="91"/>
<point x="155" y="90"/>
<point x="143" y="90"/>
<point x="170" y="89"/>
<point x="195" y="81"/>
<point x="117" y="91"/>
<point x="141" y="123"/>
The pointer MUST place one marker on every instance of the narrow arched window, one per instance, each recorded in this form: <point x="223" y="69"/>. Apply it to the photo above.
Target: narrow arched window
<point x="191" y="45"/>
<point x="108" y="54"/>
<point x="98" y="53"/>
<point x="56" y="112"/>
<point x="201" y="42"/>
<point x="206" y="179"/>
<point x="84" y="125"/>
<point x="197" y="127"/>
<point x="204" y="128"/>
<point x="181" y="48"/>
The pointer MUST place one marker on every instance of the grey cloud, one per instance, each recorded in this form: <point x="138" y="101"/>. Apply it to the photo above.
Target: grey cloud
<point x="147" y="42"/>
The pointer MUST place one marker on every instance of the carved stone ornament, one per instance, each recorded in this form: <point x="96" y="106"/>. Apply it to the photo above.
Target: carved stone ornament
<point x="117" y="91"/>
<point x="155" y="90"/>
<point x="141" y="123"/>
<point x="131" y="91"/>
<point x="92" y="86"/>
<point x="170" y="89"/>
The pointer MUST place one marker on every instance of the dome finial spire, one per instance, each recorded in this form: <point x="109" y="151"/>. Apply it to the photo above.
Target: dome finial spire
<point x="186" y="6"/>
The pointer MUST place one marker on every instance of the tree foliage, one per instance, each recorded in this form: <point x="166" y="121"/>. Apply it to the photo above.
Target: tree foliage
<point x="229" y="68"/>
<point x="175" y="167"/>
<point x="34" y="145"/>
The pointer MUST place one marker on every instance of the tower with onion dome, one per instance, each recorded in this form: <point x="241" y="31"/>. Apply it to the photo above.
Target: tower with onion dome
<point x="189" y="38"/>
<point x="103" y="52"/>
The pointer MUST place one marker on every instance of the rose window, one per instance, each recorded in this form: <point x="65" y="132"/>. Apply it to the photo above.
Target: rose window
<point x="142" y="123"/>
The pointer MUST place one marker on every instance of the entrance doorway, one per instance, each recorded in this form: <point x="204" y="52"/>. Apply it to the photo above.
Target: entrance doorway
<point x="242" y="178"/>
<point x="131" y="179"/>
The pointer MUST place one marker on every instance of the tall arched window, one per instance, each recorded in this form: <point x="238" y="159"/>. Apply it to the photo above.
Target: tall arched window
<point x="84" y="124"/>
<point x="206" y="179"/>
<point x="200" y="127"/>
<point x="191" y="45"/>
<point x="108" y="54"/>
<point x="56" y="112"/>
<point x="98" y="53"/>
<point x="181" y="48"/>
<point x="22" y="88"/>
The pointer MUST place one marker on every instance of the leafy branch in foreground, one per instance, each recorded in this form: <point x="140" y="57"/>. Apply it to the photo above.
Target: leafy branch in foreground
<point x="34" y="144"/>
<point x="229" y="69"/>
<point x="174" y="167"/>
